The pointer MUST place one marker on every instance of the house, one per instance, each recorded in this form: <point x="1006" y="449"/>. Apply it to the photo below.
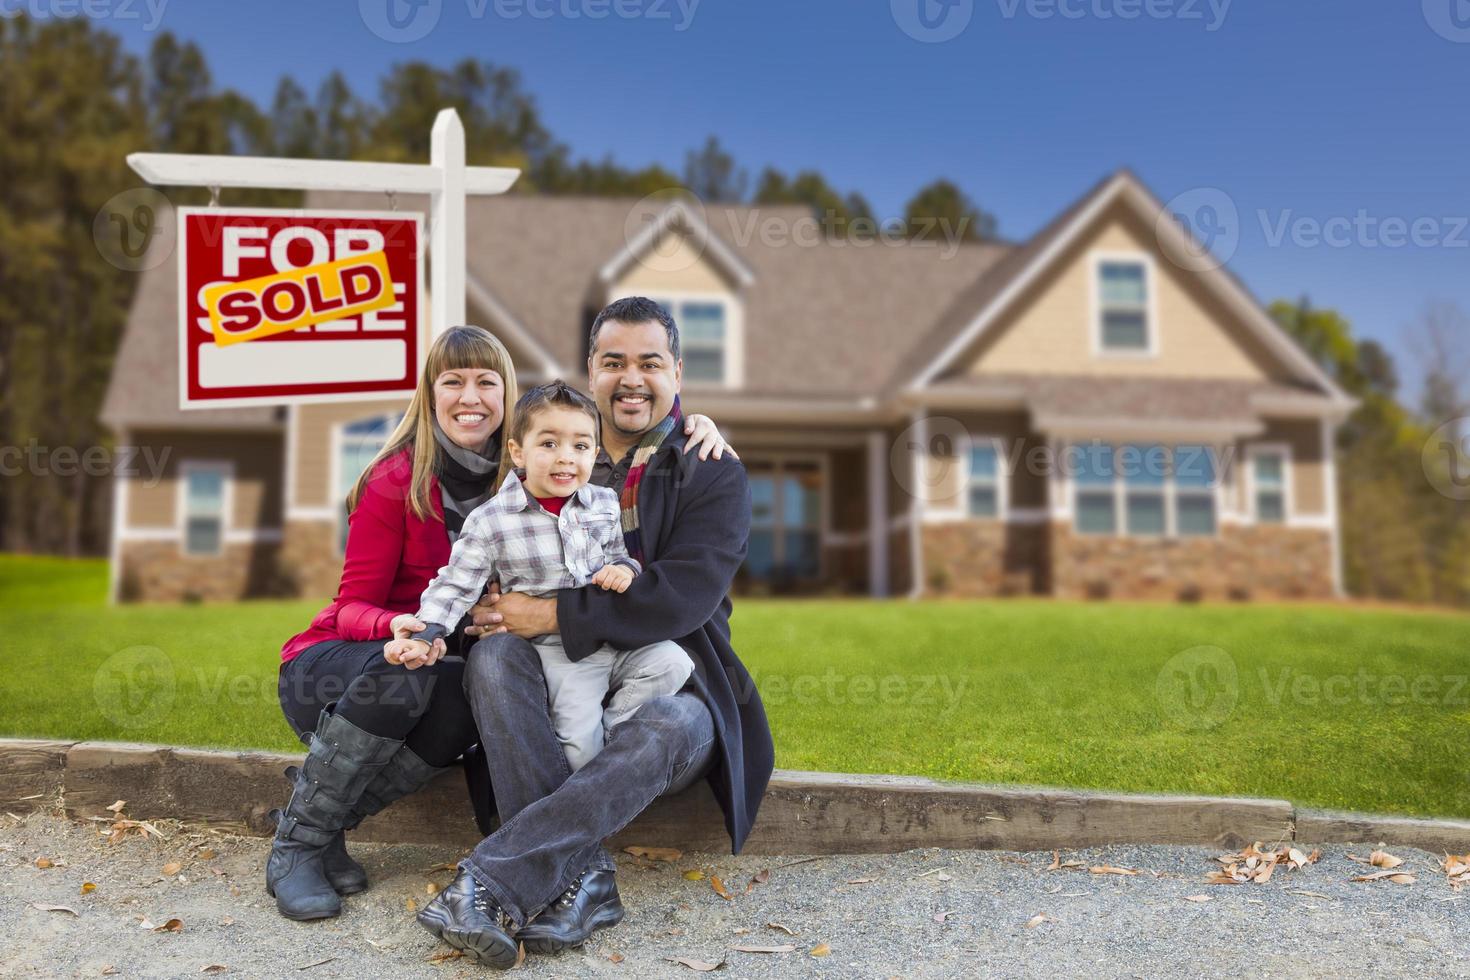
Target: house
<point x="1085" y="414"/>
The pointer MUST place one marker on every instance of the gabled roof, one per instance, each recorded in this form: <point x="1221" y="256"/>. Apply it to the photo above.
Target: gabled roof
<point x="982" y="305"/>
<point x="677" y="217"/>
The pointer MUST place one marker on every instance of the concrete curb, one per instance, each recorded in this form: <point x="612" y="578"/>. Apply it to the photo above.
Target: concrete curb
<point x="803" y="813"/>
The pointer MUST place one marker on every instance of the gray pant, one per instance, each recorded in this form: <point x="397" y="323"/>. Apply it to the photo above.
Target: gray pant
<point x="553" y="821"/>
<point x="576" y="691"/>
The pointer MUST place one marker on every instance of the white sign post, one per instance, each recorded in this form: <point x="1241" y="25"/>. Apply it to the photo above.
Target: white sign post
<point x="445" y="178"/>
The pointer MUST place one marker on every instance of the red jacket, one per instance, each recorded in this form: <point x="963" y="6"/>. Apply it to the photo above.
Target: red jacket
<point x="392" y="554"/>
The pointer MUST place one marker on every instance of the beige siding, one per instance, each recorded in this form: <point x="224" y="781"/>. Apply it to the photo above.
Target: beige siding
<point x="1050" y="329"/>
<point x="256" y="457"/>
<point x="1303" y="437"/>
<point x="676" y="264"/>
<point x="313" y="440"/>
<point x="943" y="472"/>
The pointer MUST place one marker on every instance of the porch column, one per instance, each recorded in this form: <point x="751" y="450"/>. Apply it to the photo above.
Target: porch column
<point x="877" y="515"/>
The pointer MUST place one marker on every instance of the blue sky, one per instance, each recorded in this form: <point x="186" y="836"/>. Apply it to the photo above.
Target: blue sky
<point x="1352" y="110"/>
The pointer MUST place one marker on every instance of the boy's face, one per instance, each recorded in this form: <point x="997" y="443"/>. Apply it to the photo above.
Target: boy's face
<point x="560" y="447"/>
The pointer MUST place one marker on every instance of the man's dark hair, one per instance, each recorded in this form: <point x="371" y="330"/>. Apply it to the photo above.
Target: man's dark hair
<point x="553" y="394"/>
<point x="635" y="309"/>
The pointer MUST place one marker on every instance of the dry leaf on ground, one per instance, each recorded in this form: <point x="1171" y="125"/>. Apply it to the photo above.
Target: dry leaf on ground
<point x="614" y="957"/>
<point x="172" y="925"/>
<point x="172" y="868"/>
<point x="863" y="881"/>
<point x="1057" y="864"/>
<point x="1256" y="866"/>
<point x="785" y="948"/>
<point x="118" y="806"/>
<point x="939" y="917"/>
<point x="1397" y="877"/>
<point x="655" y="853"/>
<point x="786" y="929"/>
<point x="821" y="949"/>
<point x="54" y="908"/>
<point x="699" y="965"/>
<point x="720" y="889"/>
<point x="1457" y="869"/>
<point x="694" y="874"/>
<point x="1108" y="869"/>
<point x="1378" y="859"/>
<point x="1197" y="898"/>
<point x="44" y="863"/>
<point x="1038" y="919"/>
<point x="88" y="887"/>
<point x="214" y="968"/>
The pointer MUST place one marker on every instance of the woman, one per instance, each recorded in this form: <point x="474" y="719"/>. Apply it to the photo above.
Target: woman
<point x="376" y="730"/>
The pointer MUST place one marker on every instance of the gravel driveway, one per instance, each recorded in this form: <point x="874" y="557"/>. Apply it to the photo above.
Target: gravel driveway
<point x="878" y="916"/>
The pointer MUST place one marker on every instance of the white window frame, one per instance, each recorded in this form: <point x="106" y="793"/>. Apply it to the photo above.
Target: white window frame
<point x="1288" y="505"/>
<point x="337" y="505"/>
<point x="1150" y="309"/>
<point x="734" y="330"/>
<point x="1170" y="490"/>
<point x="226" y="469"/>
<point x="1002" y="479"/>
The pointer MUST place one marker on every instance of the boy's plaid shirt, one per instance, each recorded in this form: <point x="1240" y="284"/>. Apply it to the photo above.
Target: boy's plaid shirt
<point x="512" y="538"/>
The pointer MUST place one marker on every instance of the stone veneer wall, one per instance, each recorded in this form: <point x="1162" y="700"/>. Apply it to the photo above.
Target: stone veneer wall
<point x="156" y="571"/>
<point x="1241" y="563"/>
<point x="984" y="558"/>
<point x="309" y="553"/>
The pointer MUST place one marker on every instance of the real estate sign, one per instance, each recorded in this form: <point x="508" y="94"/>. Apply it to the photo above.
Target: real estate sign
<point x="287" y="307"/>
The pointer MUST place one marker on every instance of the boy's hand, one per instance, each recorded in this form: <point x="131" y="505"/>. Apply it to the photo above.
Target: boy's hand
<point x="412" y="654"/>
<point x="614" y="578"/>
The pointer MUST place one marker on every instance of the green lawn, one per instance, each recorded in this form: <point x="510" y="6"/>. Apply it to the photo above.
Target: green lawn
<point x="1362" y="709"/>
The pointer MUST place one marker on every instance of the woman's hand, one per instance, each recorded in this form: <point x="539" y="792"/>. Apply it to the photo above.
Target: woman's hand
<point x="704" y="436"/>
<point x="404" y="626"/>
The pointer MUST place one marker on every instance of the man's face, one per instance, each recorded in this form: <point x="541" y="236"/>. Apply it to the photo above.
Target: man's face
<point x="633" y="376"/>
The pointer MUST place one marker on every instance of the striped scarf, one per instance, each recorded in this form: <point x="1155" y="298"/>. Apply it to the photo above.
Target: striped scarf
<point x="652" y="439"/>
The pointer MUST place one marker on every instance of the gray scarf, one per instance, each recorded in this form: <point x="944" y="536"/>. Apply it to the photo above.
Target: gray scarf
<point x="466" y="478"/>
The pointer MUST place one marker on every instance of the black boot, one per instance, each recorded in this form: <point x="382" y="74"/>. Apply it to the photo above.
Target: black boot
<point x="589" y="904"/>
<point x="341" y="761"/>
<point x="466" y="917"/>
<point x="404" y="774"/>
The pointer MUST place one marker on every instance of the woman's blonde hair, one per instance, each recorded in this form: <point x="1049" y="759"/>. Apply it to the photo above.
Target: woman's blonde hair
<point x="458" y="348"/>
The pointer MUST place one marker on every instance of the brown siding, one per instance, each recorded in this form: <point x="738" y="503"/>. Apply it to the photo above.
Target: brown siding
<point x="257" y="459"/>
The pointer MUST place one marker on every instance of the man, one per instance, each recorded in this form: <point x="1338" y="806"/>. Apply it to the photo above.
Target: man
<point x="688" y="522"/>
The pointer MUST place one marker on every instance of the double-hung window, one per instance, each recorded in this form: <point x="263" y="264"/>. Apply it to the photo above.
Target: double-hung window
<point x="1268" y="477"/>
<point x="1146" y="490"/>
<point x="1097" y="494"/>
<point x="983" y="484"/>
<point x="704" y="337"/>
<point x="1194" y="490"/>
<point x="357" y="445"/>
<point x="204" y="504"/>
<point x="1123" y="307"/>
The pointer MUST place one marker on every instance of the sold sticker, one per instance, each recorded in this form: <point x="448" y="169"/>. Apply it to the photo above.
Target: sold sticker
<point x="268" y="305"/>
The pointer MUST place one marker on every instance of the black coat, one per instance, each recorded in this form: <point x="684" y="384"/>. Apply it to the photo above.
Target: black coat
<point x="695" y="521"/>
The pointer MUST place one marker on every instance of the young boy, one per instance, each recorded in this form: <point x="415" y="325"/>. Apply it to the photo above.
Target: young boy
<point x="546" y="530"/>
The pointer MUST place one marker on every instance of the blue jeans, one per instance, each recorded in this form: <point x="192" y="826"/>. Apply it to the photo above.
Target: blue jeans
<point x="553" y="822"/>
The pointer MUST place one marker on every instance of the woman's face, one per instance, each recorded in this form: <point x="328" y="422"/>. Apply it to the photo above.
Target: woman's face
<point x="469" y="404"/>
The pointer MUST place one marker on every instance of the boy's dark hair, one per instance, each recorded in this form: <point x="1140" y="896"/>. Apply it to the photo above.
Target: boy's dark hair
<point x="553" y="394"/>
<point x="635" y="309"/>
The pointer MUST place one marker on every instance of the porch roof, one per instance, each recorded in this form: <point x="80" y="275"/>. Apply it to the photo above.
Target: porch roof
<point x="1092" y="405"/>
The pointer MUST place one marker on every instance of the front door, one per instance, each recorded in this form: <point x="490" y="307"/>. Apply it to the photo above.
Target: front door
<point x="785" y="522"/>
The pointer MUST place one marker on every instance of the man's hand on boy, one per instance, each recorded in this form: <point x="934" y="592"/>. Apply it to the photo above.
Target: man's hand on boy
<point x="614" y="578"/>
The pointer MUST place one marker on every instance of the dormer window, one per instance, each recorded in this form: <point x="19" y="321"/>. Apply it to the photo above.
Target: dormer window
<point x="706" y="337"/>
<point x="1125" y="321"/>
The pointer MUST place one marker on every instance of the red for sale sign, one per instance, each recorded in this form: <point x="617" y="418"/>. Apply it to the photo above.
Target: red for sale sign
<point x="288" y="307"/>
